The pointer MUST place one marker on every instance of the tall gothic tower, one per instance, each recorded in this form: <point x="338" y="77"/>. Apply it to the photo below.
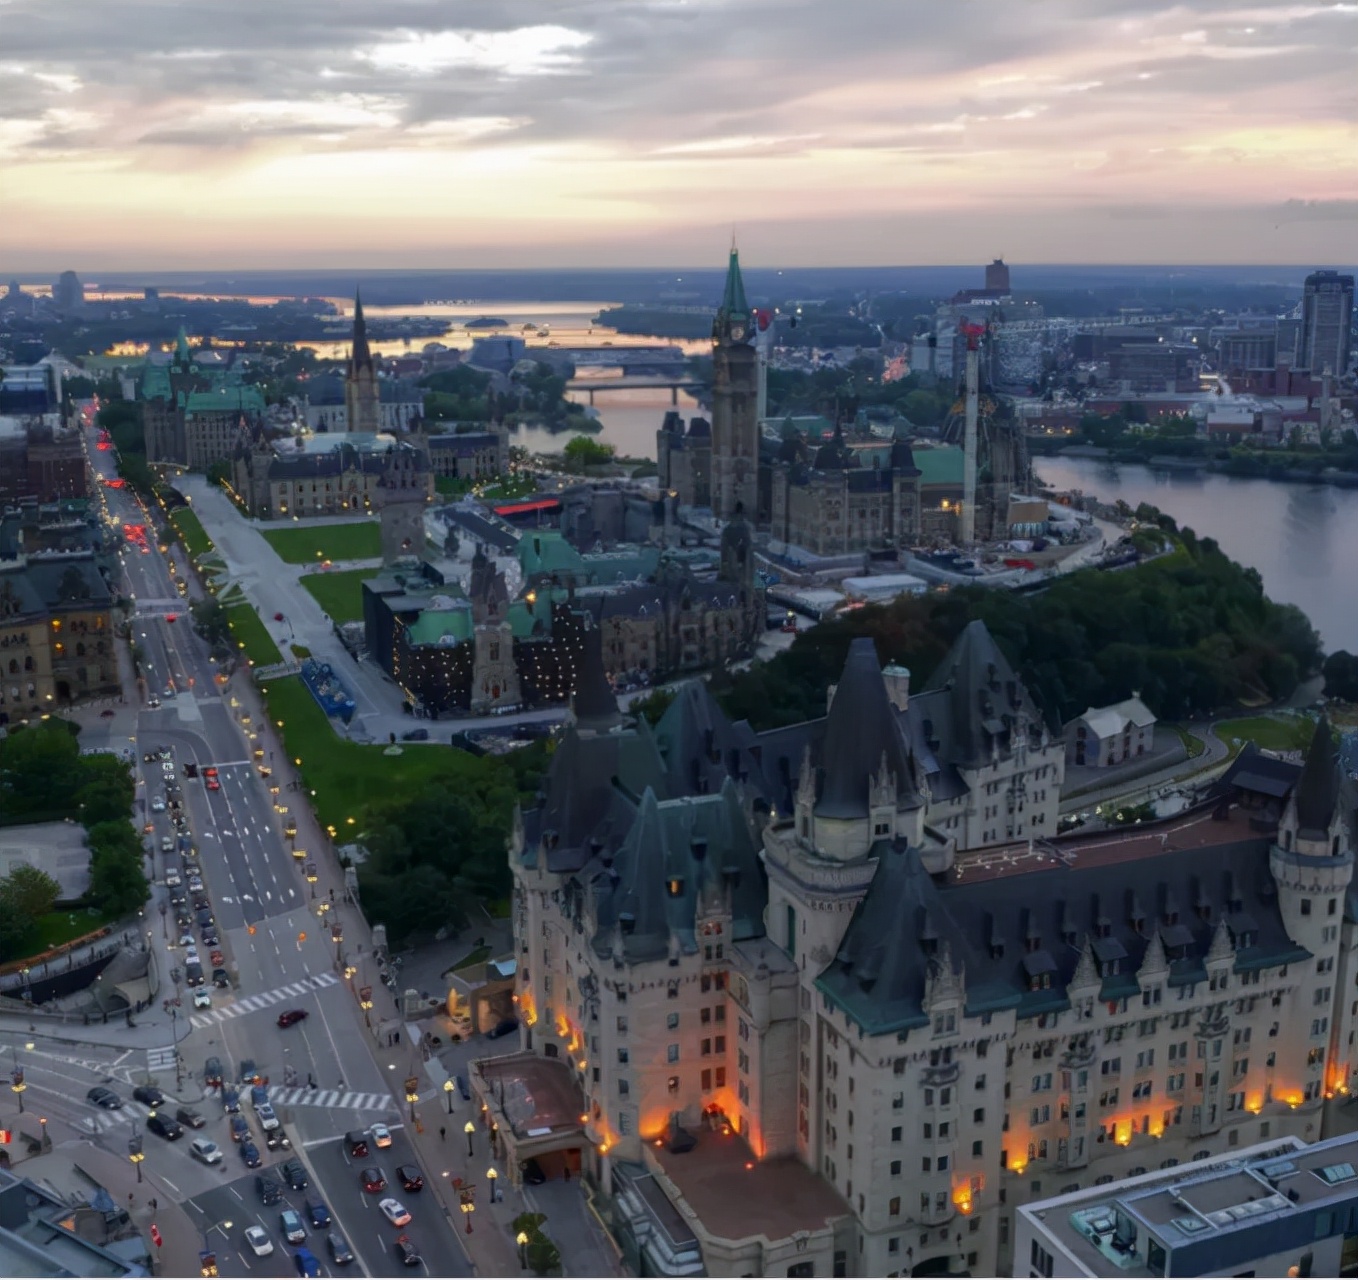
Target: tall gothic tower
<point x="735" y="398"/>
<point x="361" y="392"/>
<point x="401" y="496"/>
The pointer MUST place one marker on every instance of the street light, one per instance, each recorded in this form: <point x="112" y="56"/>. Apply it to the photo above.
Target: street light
<point x="491" y="1176"/>
<point x="469" y="1128"/>
<point x="522" y="1241"/>
<point x="18" y="1085"/>
<point x="448" y="1093"/>
<point x="468" y="1205"/>
<point x="135" y="1153"/>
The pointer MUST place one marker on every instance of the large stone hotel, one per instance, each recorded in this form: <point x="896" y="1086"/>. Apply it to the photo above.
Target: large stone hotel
<point x="833" y="1000"/>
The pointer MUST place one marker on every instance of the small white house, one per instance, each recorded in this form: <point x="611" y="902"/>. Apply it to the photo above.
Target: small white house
<point x="1111" y="735"/>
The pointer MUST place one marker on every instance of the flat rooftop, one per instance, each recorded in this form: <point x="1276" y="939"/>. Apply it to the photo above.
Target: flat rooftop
<point x="736" y="1196"/>
<point x="57" y="848"/>
<point x="537" y="1095"/>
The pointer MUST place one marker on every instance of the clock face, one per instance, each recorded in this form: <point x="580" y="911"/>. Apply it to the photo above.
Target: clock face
<point x="737" y="329"/>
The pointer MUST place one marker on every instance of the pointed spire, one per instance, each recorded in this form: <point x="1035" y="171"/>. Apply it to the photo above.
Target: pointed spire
<point x="1222" y="948"/>
<point x="362" y="355"/>
<point x="733" y="297"/>
<point x="594" y="702"/>
<point x="1154" y="961"/>
<point x="1318" y="788"/>
<point x="1086" y="971"/>
<point x="181" y="347"/>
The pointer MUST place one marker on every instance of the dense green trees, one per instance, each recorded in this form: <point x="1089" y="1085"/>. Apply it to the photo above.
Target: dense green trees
<point x="582" y="451"/>
<point x="26" y="895"/>
<point x="212" y="621"/>
<point x="1191" y="632"/>
<point x="117" y="883"/>
<point x="1341" y="676"/>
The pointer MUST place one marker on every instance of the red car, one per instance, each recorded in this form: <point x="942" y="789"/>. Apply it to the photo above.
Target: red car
<point x="213" y="784"/>
<point x="373" y="1179"/>
<point x="210" y="771"/>
<point x="290" y="1016"/>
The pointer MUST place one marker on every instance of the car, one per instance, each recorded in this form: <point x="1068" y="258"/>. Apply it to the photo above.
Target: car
<point x="231" y="1101"/>
<point x="464" y="1088"/>
<point x="107" y="713"/>
<point x="381" y="1135"/>
<point x="502" y="1028"/>
<point x="187" y="940"/>
<point x="266" y="1116"/>
<point x="340" y="1253"/>
<point x="405" y="1249"/>
<point x="182" y="919"/>
<point x="240" y="1129"/>
<point x="357" y="1141"/>
<point x="394" y="1212"/>
<point x="167" y="844"/>
<point x="190" y="770"/>
<point x="249" y="1073"/>
<point x="250" y="1154"/>
<point x="165" y="1126"/>
<point x="204" y="917"/>
<point x="167" y="766"/>
<point x="201" y="999"/>
<point x="317" y="1211"/>
<point x="189" y="1117"/>
<point x="205" y="1150"/>
<point x="373" y="1179"/>
<point x="290" y="1017"/>
<point x="306" y="1263"/>
<point x="191" y="953"/>
<point x="212" y="1071"/>
<point x="532" y="1173"/>
<point x="411" y="1177"/>
<point x="158" y="804"/>
<point x="105" y="1098"/>
<point x="193" y="974"/>
<point x="258" y="1240"/>
<point x="172" y="878"/>
<point x="153" y="703"/>
<point x="196" y="884"/>
<point x="219" y="978"/>
<point x="210" y="771"/>
<point x="416" y="735"/>
<point x="291" y="1223"/>
<point x="148" y="1094"/>
<point x="269" y="1188"/>
<point x="259" y="1096"/>
<point x="294" y="1173"/>
<point x="167" y="691"/>
<point x="213" y="784"/>
<point x="217" y="959"/>
<point x="277" y="1138"/>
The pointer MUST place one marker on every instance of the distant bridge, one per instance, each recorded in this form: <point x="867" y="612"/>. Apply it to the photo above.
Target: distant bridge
<point x="640" y="383"/>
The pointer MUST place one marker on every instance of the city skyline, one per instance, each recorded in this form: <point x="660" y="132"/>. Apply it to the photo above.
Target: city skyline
<point x="641" y="133"/>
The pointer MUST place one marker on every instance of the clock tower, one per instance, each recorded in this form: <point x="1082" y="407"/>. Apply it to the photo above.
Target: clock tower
<point x="735" y="398"/>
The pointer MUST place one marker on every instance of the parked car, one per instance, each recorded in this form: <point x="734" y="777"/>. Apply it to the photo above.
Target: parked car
<point x="165" y="1126"/>
<point x="105" y="1098"/>
<point x="219" y="975"/>
<point x="464" y="1088"/>
<point x="205" y="1150"/>
<point x="415" y="735"/>
<point x="201" y="999"/>
<point x="193" y="974"/>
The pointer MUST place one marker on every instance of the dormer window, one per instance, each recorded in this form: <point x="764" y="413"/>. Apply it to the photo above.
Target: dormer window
<point x="1109" y="968"/>
<point x="675" y="886"/>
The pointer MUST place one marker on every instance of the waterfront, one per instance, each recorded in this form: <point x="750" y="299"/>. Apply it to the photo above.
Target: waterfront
<point x="1299" y="537"/>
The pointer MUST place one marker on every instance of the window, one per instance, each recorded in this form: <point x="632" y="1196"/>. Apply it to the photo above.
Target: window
<point x="895" y="1168"/>
<point x="672" y="1021"/>
<point x="707" y="1079"/>
<point x="672" y="1053"/>
<point x="624" y="1056"/>
<point x="894" y="1206"/>
<point x="622" y="1026"/>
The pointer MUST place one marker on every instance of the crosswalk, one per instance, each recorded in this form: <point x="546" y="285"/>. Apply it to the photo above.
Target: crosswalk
<point x="331" y="1098"/>
<point x="251" y="1004"/>
<point x="160" y="1059"/>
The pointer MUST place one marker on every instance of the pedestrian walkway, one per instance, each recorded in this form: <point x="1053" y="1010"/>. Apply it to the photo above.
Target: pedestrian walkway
<point x="334" y="1098"/>
<point x="251" y="1004"/>
<point x="161" y="1059"/>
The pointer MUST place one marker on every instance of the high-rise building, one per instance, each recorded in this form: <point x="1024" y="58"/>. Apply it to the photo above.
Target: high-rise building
<point x="1326" y="316"/>
<point x="361" y="393"/>
<point x="997" y="277"/>
<point x="735" y="402"/>
<point x="68" y="294"/>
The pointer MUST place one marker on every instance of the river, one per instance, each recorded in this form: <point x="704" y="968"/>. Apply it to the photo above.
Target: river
<point x="1299" y="537"/>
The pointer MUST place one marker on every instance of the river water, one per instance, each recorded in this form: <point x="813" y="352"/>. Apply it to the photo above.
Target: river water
<point x="1299" y="537"/>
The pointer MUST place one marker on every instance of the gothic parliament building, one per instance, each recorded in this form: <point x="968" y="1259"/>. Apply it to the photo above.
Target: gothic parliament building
<point x="837" y="496"/>
<point x="835" y="1000"/>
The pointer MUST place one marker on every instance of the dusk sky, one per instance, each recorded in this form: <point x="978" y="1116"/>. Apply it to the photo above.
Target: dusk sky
<point x="500" y="133"/>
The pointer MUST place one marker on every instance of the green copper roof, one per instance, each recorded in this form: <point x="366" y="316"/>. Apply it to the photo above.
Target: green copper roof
<point x="542" y="554"/>
<point x="181" y="347"/>
<point x="245" y="398"/>
<point x="523" y="614"/>
<point x="733" y="298"/>
<point x="438" y="626"/>
<point x="939" y="466"/>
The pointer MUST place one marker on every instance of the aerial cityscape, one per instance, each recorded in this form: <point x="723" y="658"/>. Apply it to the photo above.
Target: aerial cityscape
<point x="678" y="639"/>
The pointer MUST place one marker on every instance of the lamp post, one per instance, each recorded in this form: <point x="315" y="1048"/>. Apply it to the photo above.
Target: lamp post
<point x="174" y="1047"/>
<point x="412" y="1094"/>
<point x="448" y="1093"/>
<point x="135" y="1153"/>
<point x="522" y="1241"/>
<point x="469" y="1128"/>
<point x="491" y="1176"/>
<point x="467" y="1201"/>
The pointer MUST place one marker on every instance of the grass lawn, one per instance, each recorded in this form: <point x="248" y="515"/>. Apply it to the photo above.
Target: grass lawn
<point x="339" y="594"/>
<point x="1193" y="746"/>
<point x="248" y="630"/>
<point x="56" y="927"/>
<point x="191" y="532"/>
<point x="356" y="540"/>
<point x="347" y="775"/>
<point x="1274" y="733"/>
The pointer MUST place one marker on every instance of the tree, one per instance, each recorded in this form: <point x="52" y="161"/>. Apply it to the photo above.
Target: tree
<point x="108" y="790"/>
<point x="28" y="890"/>
<point x="212" y="621"/>
<point x="219" y="473"/>
<point x="40" y="771"/>
<point x="1341" y="676"/>
<point x="117" y="882"/>
<point x="582" y="451"/>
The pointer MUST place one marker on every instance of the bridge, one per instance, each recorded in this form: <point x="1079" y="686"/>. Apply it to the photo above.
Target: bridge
<point x="675" y="385"/>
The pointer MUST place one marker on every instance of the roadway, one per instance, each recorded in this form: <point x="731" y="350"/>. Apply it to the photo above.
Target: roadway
<point x="275" y="932"/>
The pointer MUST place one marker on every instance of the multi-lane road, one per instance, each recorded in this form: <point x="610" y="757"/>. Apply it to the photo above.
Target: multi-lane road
<point x="274" y="932"/>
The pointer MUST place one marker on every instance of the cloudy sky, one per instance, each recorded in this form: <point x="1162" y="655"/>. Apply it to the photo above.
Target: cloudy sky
<point x="458" y="133"/>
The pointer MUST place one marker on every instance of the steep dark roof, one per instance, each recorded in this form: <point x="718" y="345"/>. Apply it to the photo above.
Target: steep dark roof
<point x="1254" y="771"/>
<point x="700" y="746"/>
<point x="1318" y="789"/>
<point x="594" y="702"/>
<point x="860" y="730"/>
<point x="1019" y="938"/>
<point x="677" y="854"/>
<point x="981" y="700"/>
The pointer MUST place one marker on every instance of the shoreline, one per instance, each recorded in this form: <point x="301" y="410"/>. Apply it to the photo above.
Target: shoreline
<point x="1094" y="453"/>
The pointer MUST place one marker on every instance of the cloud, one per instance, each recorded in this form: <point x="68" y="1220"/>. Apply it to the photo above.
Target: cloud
<point x="653" y="117"/>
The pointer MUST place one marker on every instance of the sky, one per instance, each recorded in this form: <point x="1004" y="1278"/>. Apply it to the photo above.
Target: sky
<point x="182" y="134"/>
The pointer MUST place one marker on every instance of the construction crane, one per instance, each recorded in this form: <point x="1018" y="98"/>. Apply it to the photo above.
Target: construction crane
<point x="973" y="333"/>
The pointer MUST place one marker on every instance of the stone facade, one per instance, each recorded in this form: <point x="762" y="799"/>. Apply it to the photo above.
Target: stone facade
<point x="362" y="399"/>
<point x="788" y="936"/>
<point x="403" y="490"/>
<point x="735" y="403"/>
<point x="476" y="455"/>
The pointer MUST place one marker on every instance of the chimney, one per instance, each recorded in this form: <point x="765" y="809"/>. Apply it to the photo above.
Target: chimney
<point x="897" y="681"/>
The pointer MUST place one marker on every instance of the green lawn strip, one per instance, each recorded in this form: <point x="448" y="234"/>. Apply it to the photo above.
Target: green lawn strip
<point x="339" y="594"/>
<point x="357" y="540"/>
<point x="1192" y="746"/>
<point x="344" y="775"/>
<point x="1273" y="733"/>
<point x="248" y="630"/>
<point x="59" y="926"/>
<point x="191" y="532"/>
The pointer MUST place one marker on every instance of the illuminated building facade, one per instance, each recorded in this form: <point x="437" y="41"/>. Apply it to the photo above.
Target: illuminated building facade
<point x="851" y="946"/>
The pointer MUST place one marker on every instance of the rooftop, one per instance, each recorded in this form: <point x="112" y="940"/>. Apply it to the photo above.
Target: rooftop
<point x="537" y="1095"/>
<point x="736" y="1196"/>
